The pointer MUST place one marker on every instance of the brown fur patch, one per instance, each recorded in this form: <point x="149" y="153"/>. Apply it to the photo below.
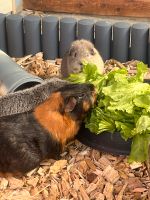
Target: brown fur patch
<point x="61" y="127"/>
<point x="86" y="106"/>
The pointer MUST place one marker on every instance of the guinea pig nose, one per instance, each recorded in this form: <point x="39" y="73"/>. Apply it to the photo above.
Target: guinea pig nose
<point x="80" y="63"/>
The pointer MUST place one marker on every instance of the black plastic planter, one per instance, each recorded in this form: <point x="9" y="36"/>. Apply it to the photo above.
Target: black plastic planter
<point x="107" y="142"/>
<point x="13" y="76"/>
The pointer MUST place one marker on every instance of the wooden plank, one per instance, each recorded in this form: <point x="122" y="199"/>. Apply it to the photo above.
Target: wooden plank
<point x="134" y="8"/>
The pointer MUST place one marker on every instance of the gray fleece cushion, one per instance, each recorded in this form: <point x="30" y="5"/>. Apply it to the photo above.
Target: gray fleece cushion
<point x="28" y="99"/>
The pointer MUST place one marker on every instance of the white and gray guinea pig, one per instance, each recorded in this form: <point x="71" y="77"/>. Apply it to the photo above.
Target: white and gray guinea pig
<point x="79" y="51"/>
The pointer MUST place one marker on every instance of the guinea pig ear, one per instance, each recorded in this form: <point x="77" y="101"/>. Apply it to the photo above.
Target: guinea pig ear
<point x="70" y="104"/>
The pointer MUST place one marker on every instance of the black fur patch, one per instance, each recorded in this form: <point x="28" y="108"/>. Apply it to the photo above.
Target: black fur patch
<point x="24" y="143"/>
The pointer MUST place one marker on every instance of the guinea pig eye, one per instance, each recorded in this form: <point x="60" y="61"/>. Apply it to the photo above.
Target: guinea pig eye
<point x="72" y="52"/>
<point x="92" y="52"/>
<point x="81" y="96"/>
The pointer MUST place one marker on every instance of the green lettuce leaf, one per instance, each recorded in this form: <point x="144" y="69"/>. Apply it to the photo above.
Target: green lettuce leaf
<point x="143" y="124"/>
<point x="98" y="121"/>
<point x="143" y="101"/>
<point x="139" y="148"/>
<point x="141" y="70"/>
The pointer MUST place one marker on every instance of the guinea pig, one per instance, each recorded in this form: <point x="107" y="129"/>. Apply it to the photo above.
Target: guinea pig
<point x="28" y="138"/>
<point x="79" y="51"/>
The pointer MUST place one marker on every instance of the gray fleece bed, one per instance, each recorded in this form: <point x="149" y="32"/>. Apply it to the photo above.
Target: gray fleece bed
<point x="28" y="99"/>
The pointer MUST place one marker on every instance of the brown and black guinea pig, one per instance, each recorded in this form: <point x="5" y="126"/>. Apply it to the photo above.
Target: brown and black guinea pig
<point x="28" y="138"/>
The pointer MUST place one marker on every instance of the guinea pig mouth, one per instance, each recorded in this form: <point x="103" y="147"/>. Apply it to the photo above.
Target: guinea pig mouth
<point x="93" y="97"/>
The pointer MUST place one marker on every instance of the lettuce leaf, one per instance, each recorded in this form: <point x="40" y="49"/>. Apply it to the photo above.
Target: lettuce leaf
<point x="123" y="104"/>
<point x="139" y="148"/>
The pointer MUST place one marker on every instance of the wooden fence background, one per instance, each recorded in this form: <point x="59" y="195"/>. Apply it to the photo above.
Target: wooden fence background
<point x="134" y="8"/>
